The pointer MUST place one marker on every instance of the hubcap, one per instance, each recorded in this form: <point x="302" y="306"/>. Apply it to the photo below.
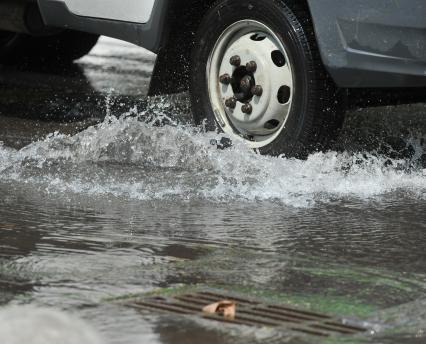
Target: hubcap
<point x="250" y="83"/>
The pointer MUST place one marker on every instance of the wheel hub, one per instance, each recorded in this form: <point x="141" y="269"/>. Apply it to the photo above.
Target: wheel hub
<point x="242" y="81"/>
<point x="247" y="72"/>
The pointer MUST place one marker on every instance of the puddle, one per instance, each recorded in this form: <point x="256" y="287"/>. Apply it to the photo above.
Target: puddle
<point x="142" y="200"/>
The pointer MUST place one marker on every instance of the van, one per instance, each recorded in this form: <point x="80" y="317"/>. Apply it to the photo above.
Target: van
<point x="275" y="74"/>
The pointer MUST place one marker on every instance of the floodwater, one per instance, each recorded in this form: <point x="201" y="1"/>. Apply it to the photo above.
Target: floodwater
<point x="105" y="193"/>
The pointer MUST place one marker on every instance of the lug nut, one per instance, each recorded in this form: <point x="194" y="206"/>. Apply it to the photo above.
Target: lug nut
<point x="225" y="79"/>
<point x="245" y="83"/>
<point x="235" y="61"/>
<point x="247" y="109"/>
<point x="231" y="103"/>
<point x="257" y="90"/>
<point x="251" y="66"/>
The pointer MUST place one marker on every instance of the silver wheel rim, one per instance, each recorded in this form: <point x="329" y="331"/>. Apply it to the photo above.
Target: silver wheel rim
<point x="250" y="83"/>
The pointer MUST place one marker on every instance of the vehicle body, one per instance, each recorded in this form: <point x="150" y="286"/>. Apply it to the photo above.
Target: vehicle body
<point x="362" y="44"/>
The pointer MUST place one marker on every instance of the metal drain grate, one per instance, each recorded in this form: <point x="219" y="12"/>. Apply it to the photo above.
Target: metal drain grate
<point x="249" y="312"/>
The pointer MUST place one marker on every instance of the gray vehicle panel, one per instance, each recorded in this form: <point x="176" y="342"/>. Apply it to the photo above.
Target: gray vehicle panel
<point x="148" y="35"/>
<point x="372" y="43"/>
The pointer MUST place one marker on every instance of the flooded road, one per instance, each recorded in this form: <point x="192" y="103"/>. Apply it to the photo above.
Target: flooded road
<point x="95" y="207"/>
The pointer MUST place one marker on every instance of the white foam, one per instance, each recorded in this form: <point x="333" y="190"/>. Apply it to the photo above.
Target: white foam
<point x="31" y="325"/>
<point x="130" y="157"/>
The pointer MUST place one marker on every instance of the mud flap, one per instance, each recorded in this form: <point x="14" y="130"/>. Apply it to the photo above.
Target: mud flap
<point x="171" y="71"/>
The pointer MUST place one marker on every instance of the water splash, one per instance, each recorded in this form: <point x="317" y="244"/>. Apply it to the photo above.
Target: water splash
<point x="146" y="156"/>
<point x="43" y="326"/>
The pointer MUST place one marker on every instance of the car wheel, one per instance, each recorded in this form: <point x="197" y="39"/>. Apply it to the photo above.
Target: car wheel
<point x="257" y="76"/>
<point x="60" y="49"/>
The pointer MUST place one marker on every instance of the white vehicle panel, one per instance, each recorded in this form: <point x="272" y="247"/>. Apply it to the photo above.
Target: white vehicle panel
<point x="138" y="11"/>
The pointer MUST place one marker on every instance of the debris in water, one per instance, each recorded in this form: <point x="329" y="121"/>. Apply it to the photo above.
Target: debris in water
<point x="226" y="308"/>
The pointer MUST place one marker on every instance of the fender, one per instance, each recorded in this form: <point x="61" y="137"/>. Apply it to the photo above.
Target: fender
<point x="372" y="43"/>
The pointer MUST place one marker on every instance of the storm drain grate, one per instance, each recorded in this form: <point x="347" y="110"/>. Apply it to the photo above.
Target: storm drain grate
<point x="250" y="312"/>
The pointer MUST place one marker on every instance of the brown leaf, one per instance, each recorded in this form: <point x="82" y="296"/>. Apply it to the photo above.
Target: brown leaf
<point x="226" y="308"/>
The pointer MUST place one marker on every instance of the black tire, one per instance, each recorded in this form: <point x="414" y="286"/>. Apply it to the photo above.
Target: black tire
<point x="58" y="50"/>
<point x="317" y="110"/>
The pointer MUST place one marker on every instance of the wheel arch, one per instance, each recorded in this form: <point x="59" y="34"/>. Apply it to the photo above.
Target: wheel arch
<point x="171" y="71"/>
<point x="184" y="17"/>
